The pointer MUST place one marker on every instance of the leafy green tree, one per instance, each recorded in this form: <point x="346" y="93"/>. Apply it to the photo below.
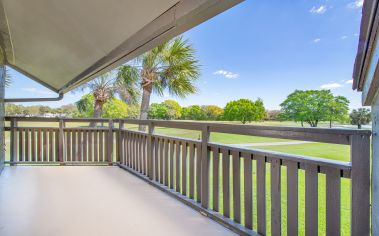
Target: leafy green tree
<point x="126" y="84"/>
<point x="361" y="116"/>
<point x="338" y="109"/>
<point x="172" y="66"/>
<point x="310" y="106"/>
<point x="193" y="112"/>
<point x="259" y="111"/>
<point x="158" y="111"/>
<point x="113" y="108"/>
<point x="174" y="110"/>
<point x="13" y="109"/>
<point x="44" y="110"/>
<point x="244" y="110"/>
<point x="212" y="112"/>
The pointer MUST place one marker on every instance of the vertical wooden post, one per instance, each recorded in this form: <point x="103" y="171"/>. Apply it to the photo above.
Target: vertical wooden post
<point x="13" y="147"/>
<point x="205" y="166"/>
<point x="110" y="142"/>
<point x="375" y="168"/>
<point x="360" y="184"/>
<point x="150" y="149"/>
<point x="61" y="142"/>
<point x="120" y="154"/>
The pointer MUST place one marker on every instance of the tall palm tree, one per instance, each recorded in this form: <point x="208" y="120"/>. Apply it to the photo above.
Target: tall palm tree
<point x="102" y="88"/>
<point x="126" y="84"/>
<point x="172" y="66"/>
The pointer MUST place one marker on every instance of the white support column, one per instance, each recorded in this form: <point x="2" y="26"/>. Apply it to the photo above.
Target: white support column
<point x="375" y="167"/>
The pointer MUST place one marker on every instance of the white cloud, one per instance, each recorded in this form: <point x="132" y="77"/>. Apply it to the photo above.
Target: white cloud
<point x="38" y="91"/>
<point x="316" y="40"/>
<point x="331" y="85"/>
<point x="350" y="81"/>
<point x="318" y="10"/>
<point x="356" y="4"/>
<point x="226" y="74"/>
<point x="344" y="37"/>
<point x="356" y="34"/>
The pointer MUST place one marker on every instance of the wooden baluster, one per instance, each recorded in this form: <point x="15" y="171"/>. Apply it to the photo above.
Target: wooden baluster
<point x="205" y="167"/>
<point x="311" y="199"/>
<point x="192" y="171"/>
<point x="177" y="169"/>
<point x="248" y="190"/>
<point x="226" y="181"/>
<point x="184" y="168"/>
<point x="110" y="142"/>
<point x="216" y="157"/>
<point x="333" y="201"/>
<point x="166" y="162"/>
<point x="61" y="147"/>
<point x="121" y="139"/>
<point x="275" y="197"/>
<point x="13" y="137"/>
<point x="261" y="194"/>
<point x="172" y="158"/>
<point x="33" y="145"/>
<point x="292" y="198"/>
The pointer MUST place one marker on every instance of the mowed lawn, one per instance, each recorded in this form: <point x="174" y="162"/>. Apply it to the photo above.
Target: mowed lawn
<point x="321" y="150"/>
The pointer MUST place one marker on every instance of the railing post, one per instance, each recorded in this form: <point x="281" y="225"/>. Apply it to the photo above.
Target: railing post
<point x="61" y="142"/>
<point x="205" y="166"/>
<point x="13" y="146"/>
<point x="120" y="142"/>
<point x="110" y="142"/>
<point x="150" y="149"/>
<point x="360" y="184"/>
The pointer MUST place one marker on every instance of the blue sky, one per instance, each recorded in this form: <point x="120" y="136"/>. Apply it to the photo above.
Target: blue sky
<point x="264" y="49"/>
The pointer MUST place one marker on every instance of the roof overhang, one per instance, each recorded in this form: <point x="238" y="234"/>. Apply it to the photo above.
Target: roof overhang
<point x="366" y="67"/>
<point x="62" y="44"/>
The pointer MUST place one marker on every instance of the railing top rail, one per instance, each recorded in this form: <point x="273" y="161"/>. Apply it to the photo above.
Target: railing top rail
<point x="55" y="119"/>
<point x="222" y="127"/>
<point x="341" y="165"/>
<point x="329" y="135"/>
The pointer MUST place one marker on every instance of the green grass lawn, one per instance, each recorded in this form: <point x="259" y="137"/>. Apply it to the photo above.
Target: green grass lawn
<point x="322" y="150"/>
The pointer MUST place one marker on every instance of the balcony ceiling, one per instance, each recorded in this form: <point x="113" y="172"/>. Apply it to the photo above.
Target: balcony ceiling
<point x="62" y="44"/>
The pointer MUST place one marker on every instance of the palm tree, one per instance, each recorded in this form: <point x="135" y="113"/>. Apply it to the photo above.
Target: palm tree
<point x="126" y="84"/>
<point x="172" y="66"/>
<point x="102" y="89"/>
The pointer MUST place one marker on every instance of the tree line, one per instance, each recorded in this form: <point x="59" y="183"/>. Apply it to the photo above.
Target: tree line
<point x="244" y="110"/>
<point x="68" y="110"/>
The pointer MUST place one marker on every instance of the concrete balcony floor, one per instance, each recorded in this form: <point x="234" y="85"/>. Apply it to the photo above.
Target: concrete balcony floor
<point x="91" y="200"/>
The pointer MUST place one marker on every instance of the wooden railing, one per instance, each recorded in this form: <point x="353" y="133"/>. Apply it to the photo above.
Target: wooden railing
<point x="60" y="144"/>
<point x="222" y="181"/>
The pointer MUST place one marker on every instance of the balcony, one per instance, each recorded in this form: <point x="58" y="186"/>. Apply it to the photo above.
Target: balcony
<point x="124" y="178"/>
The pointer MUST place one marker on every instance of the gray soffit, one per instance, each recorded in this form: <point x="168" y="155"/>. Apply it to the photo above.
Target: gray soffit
<point x="366" y="67"/>
<point x="366" y="41"/>
<point x="62" y="44"/>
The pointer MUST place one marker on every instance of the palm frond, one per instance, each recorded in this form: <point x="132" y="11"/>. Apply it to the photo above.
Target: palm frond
<point x="127" y="84"/>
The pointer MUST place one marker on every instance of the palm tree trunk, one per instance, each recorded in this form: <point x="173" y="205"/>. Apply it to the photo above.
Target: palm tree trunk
<point x="145" y="105"/>
<point x="96" y="112"/>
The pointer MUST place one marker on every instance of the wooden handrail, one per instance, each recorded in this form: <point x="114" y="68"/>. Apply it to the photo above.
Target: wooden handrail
<point x="193" y="168"/>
